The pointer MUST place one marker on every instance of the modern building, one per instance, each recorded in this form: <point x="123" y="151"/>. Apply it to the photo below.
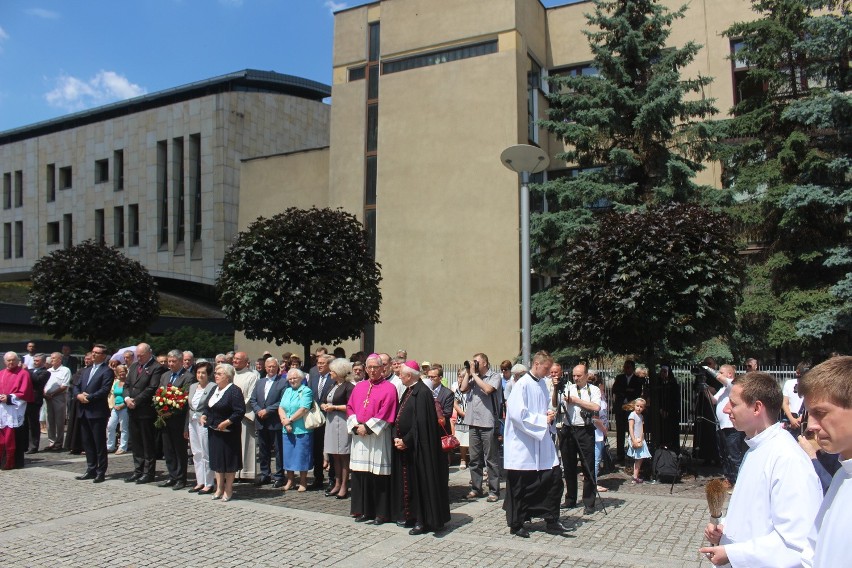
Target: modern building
<point x="426" y="95"/>
<point x="157" y="176"/>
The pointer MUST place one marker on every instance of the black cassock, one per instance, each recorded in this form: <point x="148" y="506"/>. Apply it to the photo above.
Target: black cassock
<point x="420" y="473"/>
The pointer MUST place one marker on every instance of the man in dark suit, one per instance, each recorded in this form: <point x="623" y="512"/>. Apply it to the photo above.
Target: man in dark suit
<point x="174" y="442"/>
<point x="320" y="383"/>
<point x="627" y="387"/>
<point x="444" y="396"/>
<point x="93" y="413"/>
<point x="264" y="401"/>
<point x="143" y="378"/>
<point x="69" y="360"/>
<point x="39" y="376"/>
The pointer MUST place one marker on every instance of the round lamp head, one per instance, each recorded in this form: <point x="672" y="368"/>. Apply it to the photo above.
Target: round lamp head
<point x="525" y="158"/>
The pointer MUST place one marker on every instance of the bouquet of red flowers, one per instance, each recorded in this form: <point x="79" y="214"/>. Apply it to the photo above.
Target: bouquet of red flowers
<point x="168" y="400"/>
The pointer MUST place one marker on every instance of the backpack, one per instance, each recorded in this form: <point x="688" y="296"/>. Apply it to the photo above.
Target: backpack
<point x="665" y="466"/>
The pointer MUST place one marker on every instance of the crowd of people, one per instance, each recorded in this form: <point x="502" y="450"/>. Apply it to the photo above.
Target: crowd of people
<point x="374" y="429"/>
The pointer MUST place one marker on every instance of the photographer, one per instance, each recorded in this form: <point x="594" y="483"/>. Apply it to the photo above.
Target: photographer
<point x="731" y="441"/>
<point x="577" y="404"/>
<point x="481" y="416"/>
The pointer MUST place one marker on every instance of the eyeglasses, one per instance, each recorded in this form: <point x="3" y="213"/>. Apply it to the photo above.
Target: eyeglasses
<point x="373" y="367"/>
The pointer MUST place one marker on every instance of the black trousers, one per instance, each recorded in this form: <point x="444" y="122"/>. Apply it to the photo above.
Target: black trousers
<point x="144" y="437"/>
<point x="317" y="452"/>
<point x="532" y="494"/>
<point x="620" y="432"/>
<point x="33" y="425"/>
<point x="578" y="442"/>
<point x="175" y="446"/>
<point x="94" y="435"/>
<point x="267" y="440"/>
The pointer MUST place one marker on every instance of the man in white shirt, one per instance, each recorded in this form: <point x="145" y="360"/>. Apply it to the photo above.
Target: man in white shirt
<point x="56" y="398"/>
<point x="731" y="441"/>
<point x="793" y="401"/>
<point x="533" y="480"/>
<point x="579" y="402"/>
<point x="827" y="389"/>
<point x="778" y="493"/>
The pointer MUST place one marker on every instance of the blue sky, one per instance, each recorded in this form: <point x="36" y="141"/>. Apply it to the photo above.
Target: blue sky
<point x="62" y="56"/>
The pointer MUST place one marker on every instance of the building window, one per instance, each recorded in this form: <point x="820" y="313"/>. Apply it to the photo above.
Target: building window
<point x="118" y="169"/>
<point x="195" y="184"/>
<point x="179" y="193"/>
<point x="133" y="225"/>
<point x="357" y="73"/>
<point x="533" y="90"/>
<point x="370" y="181"/>
<point x="7" y="240"/>
<point x="373" y="82"/>
<point x="372" y="127"/>
<point x="7" y="190"/>
<point x="19" y="239"/>
<point x="118" y="226"/>
<point x="65" y="177"/>
<point x="19" y="188"/>
<point x="439" y="57"/>
<point x="67" y="230"/>
<point x="744" y="87"/>
<point x="101" y="171"/>
<point x="99" y="226"/>
<point x="374" y="50"/>
<point x="50" y="180"/>
<point x="163" y="194"/>
<point x="53" y="233"/>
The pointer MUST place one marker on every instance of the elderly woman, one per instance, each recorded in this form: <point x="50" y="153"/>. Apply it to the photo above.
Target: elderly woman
<point x="223" y="417"/>
<point x="337" y="438"/>
<point x="197" y="397"/>
<point x="118" y="413"/>
<point x="420" y="471"/>
<point x="295" y="404"/>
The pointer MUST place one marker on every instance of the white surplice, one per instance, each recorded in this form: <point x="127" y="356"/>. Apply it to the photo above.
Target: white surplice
<point x="774" y="503"/>
<point x="371" y="453"/>
<point x="828" y="541"/>
<point x="245" y="380"/>
<point x="527" y="442"/>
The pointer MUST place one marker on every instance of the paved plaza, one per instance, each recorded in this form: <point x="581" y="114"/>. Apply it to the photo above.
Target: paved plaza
<point x="50" y="519"/>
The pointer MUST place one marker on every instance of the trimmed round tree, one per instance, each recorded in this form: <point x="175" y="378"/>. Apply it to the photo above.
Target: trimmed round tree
<point x="92" y="291"/>
<point x="658" y="281"/>
<point x="302" y="276"/>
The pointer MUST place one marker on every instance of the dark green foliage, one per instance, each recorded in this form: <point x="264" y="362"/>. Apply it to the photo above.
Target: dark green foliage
<point x="658" y="281"/>
<point x="92" y="291"/>
<point x="201" y="342"/>
<point x="787" y="161"/>
<point x="302" y="276"/>
<point x="638" y="129"/>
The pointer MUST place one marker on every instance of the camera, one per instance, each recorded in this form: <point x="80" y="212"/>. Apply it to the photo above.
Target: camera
<point x="587" y="416"/>
<point x="475" y="366"/>
<point x="701" y="374"/>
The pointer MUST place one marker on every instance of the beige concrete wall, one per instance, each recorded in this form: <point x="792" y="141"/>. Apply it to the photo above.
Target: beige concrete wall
<point x="271" y="184"/>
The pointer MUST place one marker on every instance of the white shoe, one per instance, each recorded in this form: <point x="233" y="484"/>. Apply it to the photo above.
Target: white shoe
<point x="463" y="465"/>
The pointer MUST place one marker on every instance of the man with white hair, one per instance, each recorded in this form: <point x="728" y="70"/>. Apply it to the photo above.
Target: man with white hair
<point x="56" y="397"/>
<point x="142" y="381"/>
<point x="371" y="411"/>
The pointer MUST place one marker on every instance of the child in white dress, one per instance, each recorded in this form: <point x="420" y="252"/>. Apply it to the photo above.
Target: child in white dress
<point x="638" y="449"/>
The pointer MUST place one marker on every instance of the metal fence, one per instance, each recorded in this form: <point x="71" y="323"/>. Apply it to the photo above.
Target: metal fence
<point x="683" y="375"/>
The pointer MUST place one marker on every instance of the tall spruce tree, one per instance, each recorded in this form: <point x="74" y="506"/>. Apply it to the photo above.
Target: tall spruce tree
<point x="787" y="161"/>
<point x="636" y="130"/>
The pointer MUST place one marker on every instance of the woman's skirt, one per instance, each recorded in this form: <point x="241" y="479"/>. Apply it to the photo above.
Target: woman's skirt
<point x="298" y="451"/>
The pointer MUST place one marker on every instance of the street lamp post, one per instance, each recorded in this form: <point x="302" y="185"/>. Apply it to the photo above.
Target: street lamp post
<point x="525" y="160"/>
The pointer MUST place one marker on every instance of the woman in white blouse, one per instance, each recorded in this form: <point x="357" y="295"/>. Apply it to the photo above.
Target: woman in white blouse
<point x="195" y="432"/>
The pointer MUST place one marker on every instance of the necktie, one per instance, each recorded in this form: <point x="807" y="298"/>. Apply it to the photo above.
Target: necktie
<point x="321" y="384"/>
<point x="174" y="378"/>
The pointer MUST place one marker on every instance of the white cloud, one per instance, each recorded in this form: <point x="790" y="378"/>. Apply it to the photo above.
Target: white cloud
<point x="3" y="37"/>
<point x="335" y="6"/>
<point x="42" y="13"/>
<point x="72" y="93"/>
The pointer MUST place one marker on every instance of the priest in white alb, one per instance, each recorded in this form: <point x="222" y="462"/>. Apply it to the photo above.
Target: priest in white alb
<point x="777" y="494"/>
<point x="533" y="478"/>
<point x="827" y="389"/>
